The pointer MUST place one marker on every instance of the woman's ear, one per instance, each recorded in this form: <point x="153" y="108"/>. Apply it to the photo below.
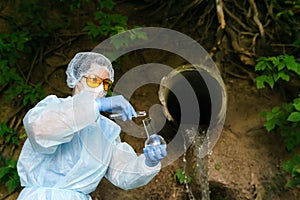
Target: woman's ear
<point x="78" y="87"/>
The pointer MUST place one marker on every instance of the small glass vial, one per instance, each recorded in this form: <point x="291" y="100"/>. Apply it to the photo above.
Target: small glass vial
<point x="152" y="137"/>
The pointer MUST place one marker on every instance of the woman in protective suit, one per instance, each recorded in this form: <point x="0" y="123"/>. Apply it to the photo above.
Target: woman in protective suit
<point x="71" y="146"/>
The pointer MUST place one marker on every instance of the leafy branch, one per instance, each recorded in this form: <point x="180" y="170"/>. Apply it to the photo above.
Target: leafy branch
<point x="284" y="119"/>
<point x="276" y="68"/>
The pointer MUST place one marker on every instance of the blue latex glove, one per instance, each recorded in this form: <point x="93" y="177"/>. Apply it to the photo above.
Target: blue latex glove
<point x="116" y="104"/>
<point x="154" y="154"/>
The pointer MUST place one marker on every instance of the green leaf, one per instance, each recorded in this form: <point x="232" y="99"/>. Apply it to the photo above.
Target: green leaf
<point x="142" y="35"/>
<point x="270" y="66"/>
<point x="261" y="59"/>
<point x="297" y="169"/>
<point x="276" y="109"/>
<point x="284" y="76"/>
<point x="260" y="80"/>
<point x="275" y="61"/>
<point x="296" y="69"/>
<point x="119" y="42"/>
<point x="271" y="115"/>
<point x="260" y="66"/>
<point x="292" y="64"/>
<point x="106" y="4"/>
<point x="297" y="42"/>
<point x="296" y="101"/>
<point x="287" y="166"/>
<point x="288" y="107"/>
<point x="292" y="183"/>
<point x="267" y="79"/>
<point x="294" y="117"/>
<point x="297" y="106"/>
<point x="276" y="77"/>
<point x="3" y="171"/>
<point x="289" y="144"/>
<point x="279" y="14"/>
<point x="270" y="125"/>
<point x="280" y="66"/>
<point x="22" y="136"/>
<point x="290" y="12"/>
<point x="263" y="113"/>
<point x="12" y="184"/>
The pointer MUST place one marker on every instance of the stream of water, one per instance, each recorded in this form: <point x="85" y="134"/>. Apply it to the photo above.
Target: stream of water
<point x="200" y="165"/>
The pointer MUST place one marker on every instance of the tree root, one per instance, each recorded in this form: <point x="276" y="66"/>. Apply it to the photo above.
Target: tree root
<point x="220" y="12"/>
<point x="235" y="18"/>
<point x="32" y="66"/>
<point x="235" y="44"/>
<point x="10" y="118"/>
<point x="169" y="5"/>
<point x="194" y="3"/>
<point x="219" y="37"/>
<point x="236" y="75"/>
<point x="256" y="19"/>
<point x="250" y="75"/>
<point x="220" y="30"/>
<point x="11" y="193"/>
<point x="148" y="6"/>
<point x="60" y="45"/>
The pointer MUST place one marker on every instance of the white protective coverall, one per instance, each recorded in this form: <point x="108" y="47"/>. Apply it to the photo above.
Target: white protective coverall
<point x="71" y="147"/>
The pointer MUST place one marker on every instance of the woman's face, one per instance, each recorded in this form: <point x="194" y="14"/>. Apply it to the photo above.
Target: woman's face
<point x="97" y="92"/>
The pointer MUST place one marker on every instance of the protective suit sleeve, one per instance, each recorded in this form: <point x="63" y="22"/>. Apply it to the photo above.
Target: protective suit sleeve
<point x="127" y="170"/>
<point x="53" y="121"/>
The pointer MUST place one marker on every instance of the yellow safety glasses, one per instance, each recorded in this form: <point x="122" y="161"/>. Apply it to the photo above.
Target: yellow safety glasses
<point x="94" y="81"/>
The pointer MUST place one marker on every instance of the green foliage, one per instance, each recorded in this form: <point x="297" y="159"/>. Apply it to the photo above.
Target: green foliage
<point x="32" y="28"/>
<point x="33" y="17"/>
<point x="9" y="175"/>
<point x="9" y="48"/>
<point x="131" y="35"/>
<point x="286" y="119"/>
<point x="29" y="94"/>
<point x="11" y="44"/>
<point x="28" y="30"/>
<point x="9" y="135"/>
<point x="105" y="23"/>
<point x="276" y="68"/>
<point x="290" y="8"/>
<point x="7" y="74"/>
<point x="293" y="168"/>
<point x="218" y="166"/>
<point x="296" y="43"/>
<point x="181" y="177"/>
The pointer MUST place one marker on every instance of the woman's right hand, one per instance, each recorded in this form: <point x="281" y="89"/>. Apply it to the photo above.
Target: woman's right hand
<point x="116" y="104"/>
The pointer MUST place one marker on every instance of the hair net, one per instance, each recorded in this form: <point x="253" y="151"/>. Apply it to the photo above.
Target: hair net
<point x="81" y="63"/>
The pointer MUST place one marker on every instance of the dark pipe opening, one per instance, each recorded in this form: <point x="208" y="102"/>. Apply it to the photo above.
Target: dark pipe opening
<point x="209" y="90"/>
<point x="201" y="92"/>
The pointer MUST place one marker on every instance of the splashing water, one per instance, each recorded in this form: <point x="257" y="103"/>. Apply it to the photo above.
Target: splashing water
<point x="188" y="191"/>
<point x="200" y="167"/>
<point x="203" y="167"/>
